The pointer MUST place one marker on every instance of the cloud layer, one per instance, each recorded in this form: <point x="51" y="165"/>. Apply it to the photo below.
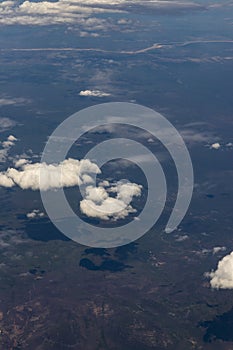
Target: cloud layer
<point x="73" y="12"/>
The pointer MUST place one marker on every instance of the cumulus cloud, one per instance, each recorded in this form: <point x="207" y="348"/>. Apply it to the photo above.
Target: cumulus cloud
<point x="20" y="162"/>
<point x="215" y="145"/>
<point x="107" y="201"/>
<point x="6" y="146"/>
<point x="98" y="203"/>
<point x="222" y="277"/>
<point x="35" y="176"/>
<point x="94" y="93"/>
<point x="36" y="213"/>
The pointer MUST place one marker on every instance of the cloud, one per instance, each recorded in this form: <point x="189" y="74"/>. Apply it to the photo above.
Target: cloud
<point x="217" y="250"/>
<point x="6" y="146"/>
<point x="6" y="101"/>
<point x="182" y="238"/>
<point x="99" y="204"/>
<point x="20" y="162"/>
<point x="36" y="213"/>
<point x="35" y="176"/>
<point x="73" y="12"/>
<point x="11" y="138"/>
<point x="195" y="136"/>
<point x="48" y="13"/>
<point x="215" y="145"/>
<point x="6" y="123"/>
<point x="94" y="93"/>
<point x="222" y="277"/>
<point x="107" y="201"/>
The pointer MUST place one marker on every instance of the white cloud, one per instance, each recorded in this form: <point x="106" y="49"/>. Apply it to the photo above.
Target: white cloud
<point x="215" y="145"/>
<point x="35" y="176"/>
<point x="107" y="201"/>
<point x="20" y="162"/>
<point x="11" y="138"/>
<point x="99" y="204"/>
<point x="36" y="213"/>
<point x="5" y="181"/>
<point x="6" y="145"/>
<point x="94" y="93"/>
<point x="222" y="277"/>
<point x="217" y="250"/>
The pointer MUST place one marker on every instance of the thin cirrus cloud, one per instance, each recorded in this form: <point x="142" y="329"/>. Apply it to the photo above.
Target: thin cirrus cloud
<point x="7" y="101"/>
<point x="222" y="277"/>
<point x="6" y="123"/>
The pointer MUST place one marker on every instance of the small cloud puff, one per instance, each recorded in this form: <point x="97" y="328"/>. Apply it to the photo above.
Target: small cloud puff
<point x="217" y="250"/>
<point x="36" y="213"/>
<point x="99" y="204"/>
<point x="94" y="93"/>
<point x="222" y="277"/>
<point x="182" y="238"/>
<point x="12" y="138"/>
<point x="6" y="145"/>
<point x="215" y="145"/>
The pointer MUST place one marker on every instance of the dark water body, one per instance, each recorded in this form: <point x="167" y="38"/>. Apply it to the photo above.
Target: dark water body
<point x="43" y="230"/>
<point x="220" y="328"/>
<point x="209" y="195"/>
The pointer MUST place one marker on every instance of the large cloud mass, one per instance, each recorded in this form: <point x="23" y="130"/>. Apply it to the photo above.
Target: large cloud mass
<point x="104" y="202"/>
<point x="223" y="276"/>
<point x="42" y="176"/>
